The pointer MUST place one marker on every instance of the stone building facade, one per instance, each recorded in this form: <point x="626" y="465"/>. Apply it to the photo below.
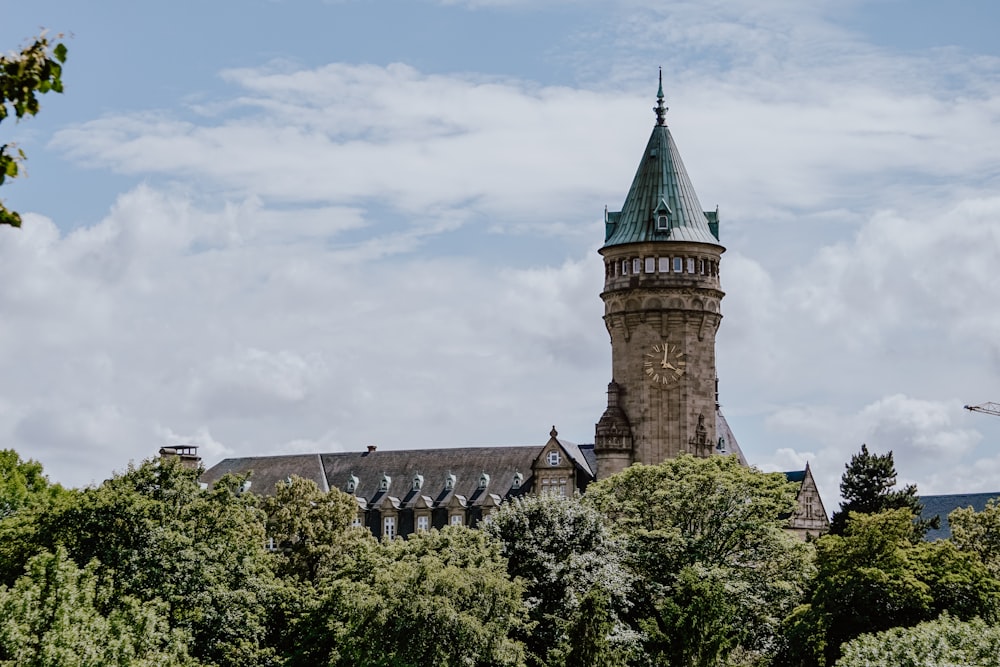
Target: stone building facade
<point x="662" y="296"/>
<point x="662" y="304"/>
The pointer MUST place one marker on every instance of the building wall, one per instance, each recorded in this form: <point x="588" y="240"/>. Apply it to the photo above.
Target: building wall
<point x="653" y="307"/>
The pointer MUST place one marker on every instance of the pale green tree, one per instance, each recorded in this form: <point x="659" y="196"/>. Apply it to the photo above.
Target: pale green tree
<point x="716" y="571"/>
<point x="979" y="533"/>
<point x="56" y="615"/>
<point x="305" y="524"/>
<point x="440" y="598"/>
<point x="565" y="553"/>
<point x="943" y="641"/>
<point x="158" y="536"/>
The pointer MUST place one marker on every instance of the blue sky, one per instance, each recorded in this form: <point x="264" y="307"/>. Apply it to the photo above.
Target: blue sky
<point x="310" y="226"/>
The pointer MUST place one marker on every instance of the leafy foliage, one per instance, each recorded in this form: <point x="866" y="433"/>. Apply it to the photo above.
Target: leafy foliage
<point x="437" y="598"/>
<point x="305" y="524"/>
<point x="55" y="615"/>
<point x="944" y="641"/>
<point x="716" y="572"/>
<point x="22" y="483"/>
<point x="573" y="570"/>
<point x="867" y="488"/>
<point x="875" y="578"/>
<point x="36" y="70"/>
<point x="978" y="533"/>
<point x="157" y="535"/>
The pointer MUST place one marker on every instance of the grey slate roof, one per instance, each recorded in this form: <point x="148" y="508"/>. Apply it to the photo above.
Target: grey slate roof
<point x="660" y="183"/>
<point x="269" y="470"/>
<point x="729" y="443"/>
<point x="942" y="506"/>
<point x="467" y="464"/>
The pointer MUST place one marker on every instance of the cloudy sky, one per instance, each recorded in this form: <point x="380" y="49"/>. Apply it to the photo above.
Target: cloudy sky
<point x="263" y="227"/>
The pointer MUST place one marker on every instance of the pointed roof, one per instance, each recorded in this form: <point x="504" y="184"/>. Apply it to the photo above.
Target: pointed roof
<point x="661" y="187"/>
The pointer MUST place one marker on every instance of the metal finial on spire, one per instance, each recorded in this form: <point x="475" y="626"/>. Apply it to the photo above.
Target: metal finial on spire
<point x="660" y="108"/>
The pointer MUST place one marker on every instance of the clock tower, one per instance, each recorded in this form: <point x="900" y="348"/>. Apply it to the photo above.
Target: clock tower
<point x="662" y="309"/>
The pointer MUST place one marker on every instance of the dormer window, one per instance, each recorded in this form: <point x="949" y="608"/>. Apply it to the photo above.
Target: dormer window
<point x="449" y="482"/>
<point x="352" y="484"/>
<point x="484" y="481"/>
<point x="662" y="222"/>
<point x="384" y="484"/>
<point x="518" y="481"/>
<point x="554" y="458"/>
<point x="418" y="482"/>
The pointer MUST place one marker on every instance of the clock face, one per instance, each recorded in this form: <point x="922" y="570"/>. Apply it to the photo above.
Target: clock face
<point x="665" y="364"/>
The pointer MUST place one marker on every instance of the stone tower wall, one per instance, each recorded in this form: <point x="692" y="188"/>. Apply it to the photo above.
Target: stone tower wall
<point x="649" y="303"/>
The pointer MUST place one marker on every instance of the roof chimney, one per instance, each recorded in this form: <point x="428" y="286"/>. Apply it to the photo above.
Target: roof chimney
<point x="372" y="448"/>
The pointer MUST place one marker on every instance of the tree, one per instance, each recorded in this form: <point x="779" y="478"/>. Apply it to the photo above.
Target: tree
<point x="944" y="641"/>
<point x="436" y="598"/>
<point x="979" y="533"/>
<point x="867" y="488"/>
<point x="305" y="524"/>
<point x="57" y="614"/>
<point x="716" y="571"/>
<point x="22" y="483"/>
<point x="576" y="583"/>
<point x="158" y="536"/>
<point x="36" y="70"/>
<point x="876" y="577"/>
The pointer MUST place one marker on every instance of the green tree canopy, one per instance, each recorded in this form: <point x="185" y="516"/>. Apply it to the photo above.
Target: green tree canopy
<point x="867" y="487"/>
<point x="943" y="641"/>
<point x="876" y="577"/>
<point x="22" y="483"/>
<point x="158" y="536"/>
<point x="306" y="525"/>
<point x="35" y="70"/>
<point x="572" y="568"/>
<point x="978" y="532"/>
<point x="716" y="571"/>
<point x="438" y="598"/>
<point x="55" y="615"/>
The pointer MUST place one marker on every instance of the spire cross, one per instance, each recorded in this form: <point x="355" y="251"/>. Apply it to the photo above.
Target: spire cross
<point x="660" y="108"/>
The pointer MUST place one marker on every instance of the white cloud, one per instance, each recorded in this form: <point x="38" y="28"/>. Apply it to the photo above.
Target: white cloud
<point x="324" y="257"/>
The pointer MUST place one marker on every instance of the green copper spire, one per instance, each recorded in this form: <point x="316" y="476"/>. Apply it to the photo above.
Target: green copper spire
<point x="660" y="109"/>
<point x="661" y="204"/>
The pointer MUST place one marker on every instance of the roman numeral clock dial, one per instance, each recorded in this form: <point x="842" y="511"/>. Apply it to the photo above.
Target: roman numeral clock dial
<point x="665" y="365"/>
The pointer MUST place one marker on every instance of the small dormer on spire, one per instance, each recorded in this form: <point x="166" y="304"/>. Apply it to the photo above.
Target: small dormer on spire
<point x="660" y="108"/>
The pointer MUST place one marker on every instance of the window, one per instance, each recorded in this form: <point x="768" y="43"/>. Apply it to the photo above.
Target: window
<point x="690" y="264"/>
<point x="384" y="484"/>
<point x="518" y="481"/>
<point x="418" y="482"/>
<point x="456" y="519"/>
<point x="662" y="222"/>
<point x="389" y="527"/>
<point x="650" y="265"/>
<point x="678" y="264"/>
<point x="484" y="480"/>
<point x="624" y="267"/>
<point x="636" y="265"/>
<point x="271" y="545"/>
<point x="664" y="265"/>
<point x="352" y="484"/>
<point x="449" y="482"/>
<point x="357" y="521"/>
<point x="554" y="458"/>
<point x="423" y="524"/>
<point x="562" y="488"/>
<point x="701" y="266"/>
